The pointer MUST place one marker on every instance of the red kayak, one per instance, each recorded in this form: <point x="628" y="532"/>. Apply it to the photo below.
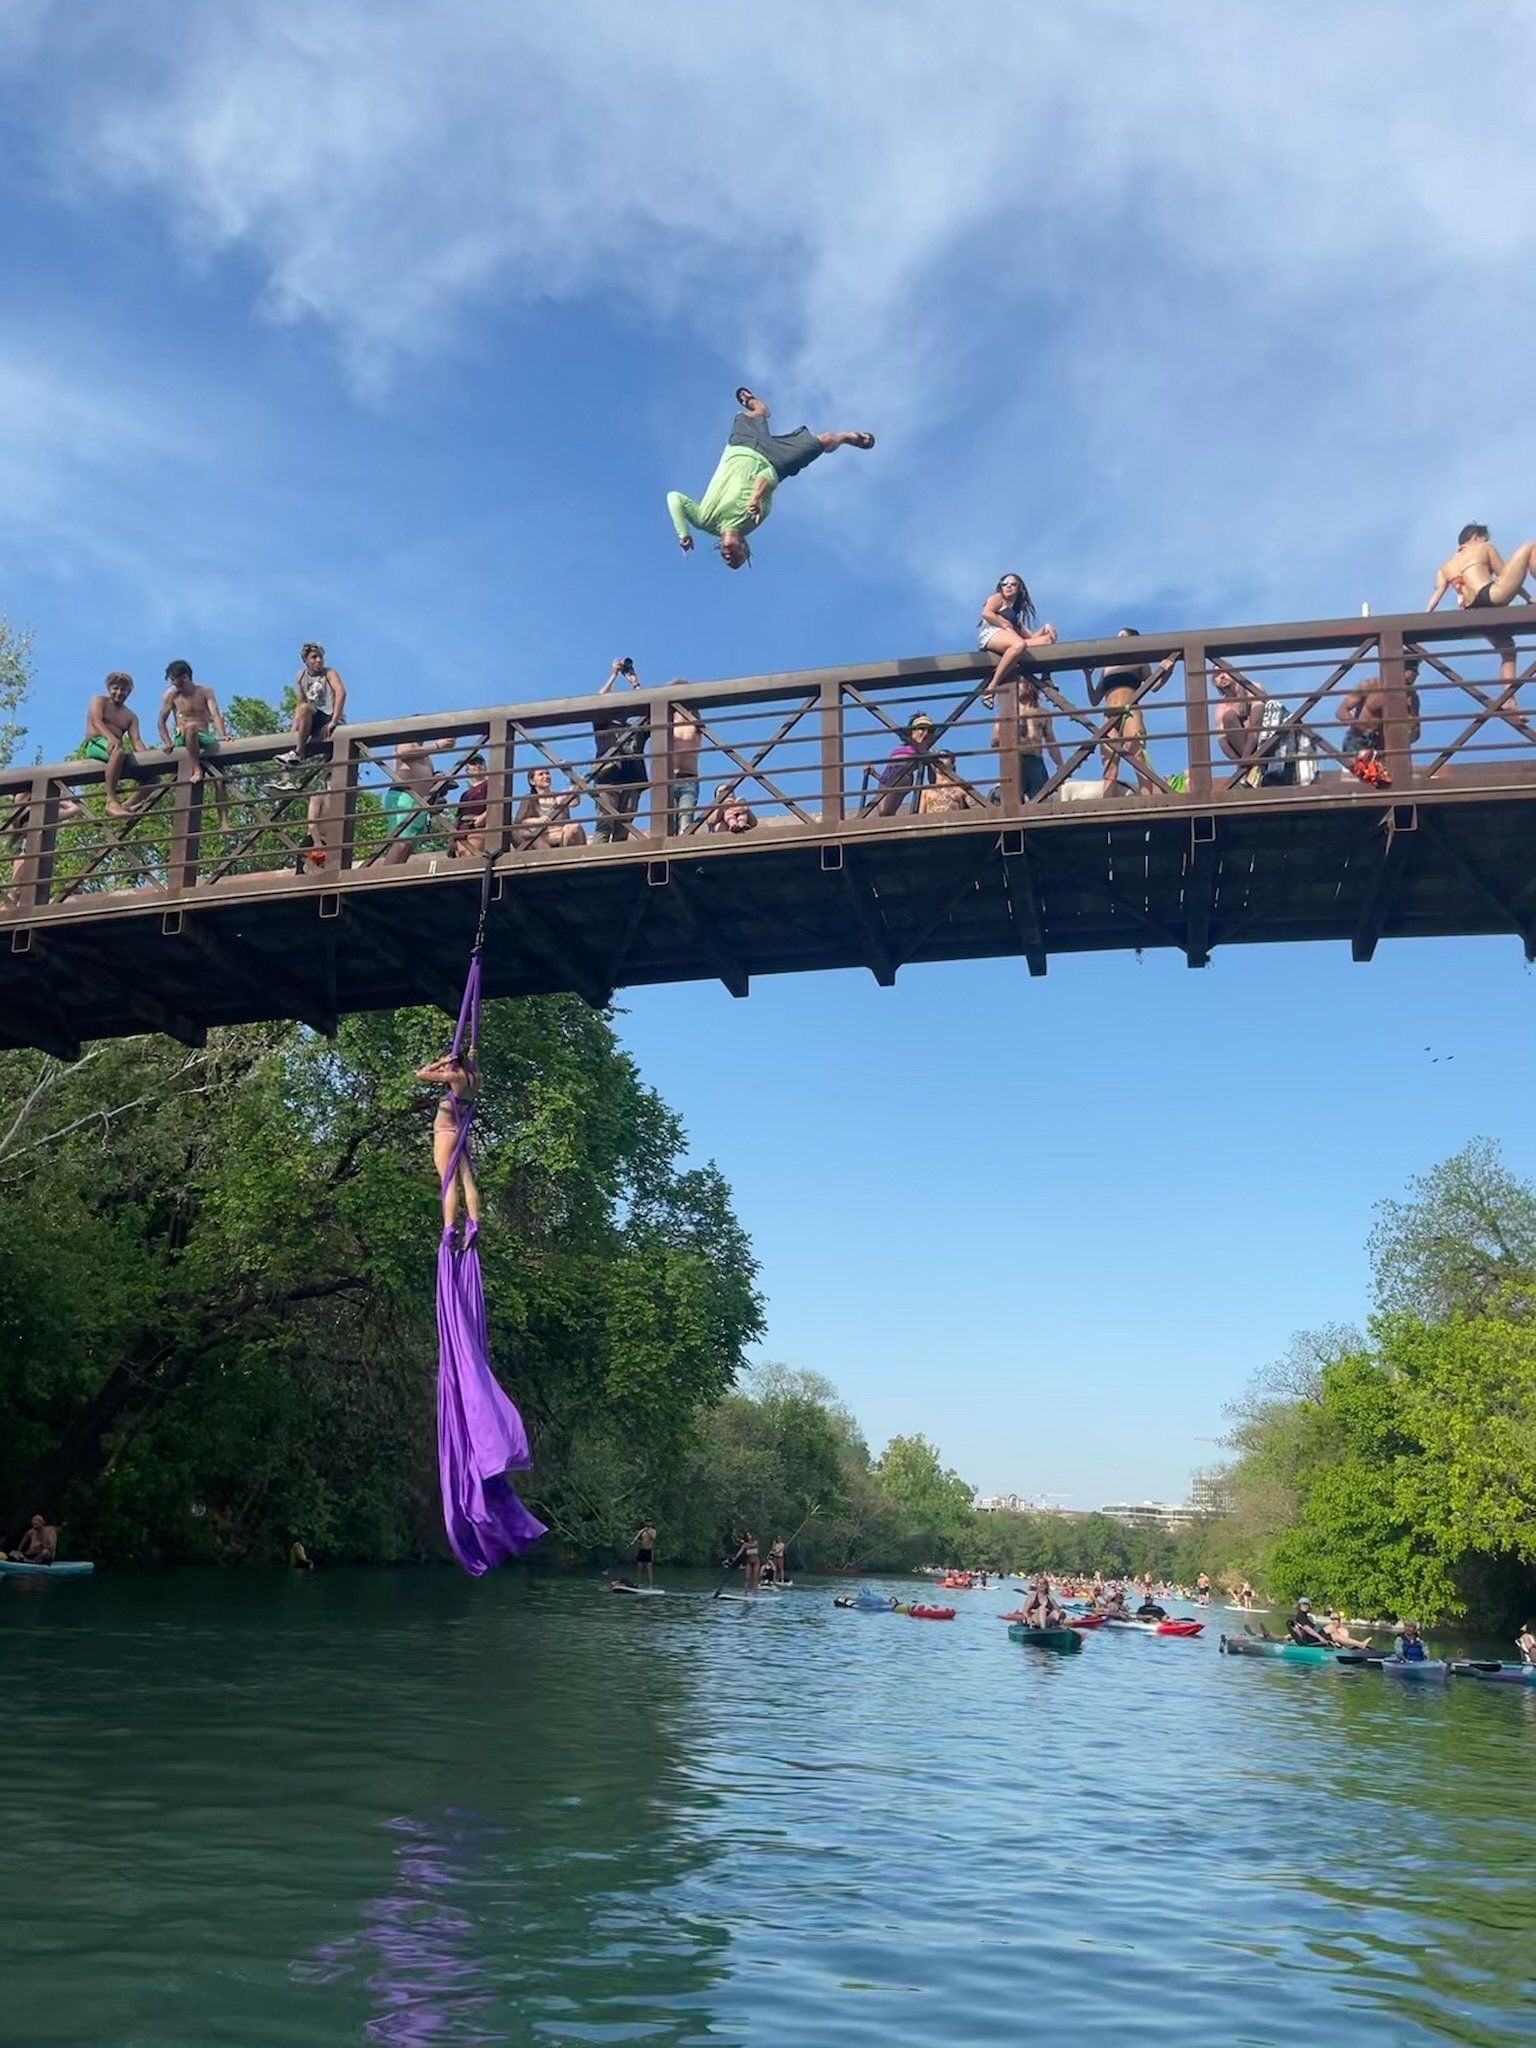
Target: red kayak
<point x="1085" y="1621"/>
<point x="1157" y="1628"/>
<point x="932" y="1613"/>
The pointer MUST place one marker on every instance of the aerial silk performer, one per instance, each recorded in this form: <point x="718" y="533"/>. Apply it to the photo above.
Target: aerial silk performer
<point x="480" y="1435"/>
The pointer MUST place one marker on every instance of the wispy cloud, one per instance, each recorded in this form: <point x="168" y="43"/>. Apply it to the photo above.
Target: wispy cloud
<point x="1157" y="297"/>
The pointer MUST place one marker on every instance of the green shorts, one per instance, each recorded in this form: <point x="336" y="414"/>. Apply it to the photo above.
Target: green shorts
<point x="98" y="749"/>
<point x="207" y="742"/>
<point x="409" y="818"/>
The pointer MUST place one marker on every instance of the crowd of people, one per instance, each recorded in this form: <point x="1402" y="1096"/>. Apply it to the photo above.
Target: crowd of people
<point x="429" y="806"/>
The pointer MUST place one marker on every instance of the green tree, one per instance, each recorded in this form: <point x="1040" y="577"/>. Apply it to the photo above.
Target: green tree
<point x="15" y="682"/>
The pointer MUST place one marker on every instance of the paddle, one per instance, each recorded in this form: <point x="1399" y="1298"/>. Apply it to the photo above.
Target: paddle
<point x="730" y="1567"/>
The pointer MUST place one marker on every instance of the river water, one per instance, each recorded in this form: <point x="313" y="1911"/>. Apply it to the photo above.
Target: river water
<point x="404" y="1808"/>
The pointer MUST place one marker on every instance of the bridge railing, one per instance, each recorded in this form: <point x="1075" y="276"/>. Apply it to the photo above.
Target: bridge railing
<point x="1235" y="717"/>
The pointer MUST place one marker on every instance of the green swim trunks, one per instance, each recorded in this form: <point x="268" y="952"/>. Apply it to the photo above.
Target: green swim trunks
<point x="207" y="742"/>
<point x="408" y="817"/>
<point x="97" y="749"/>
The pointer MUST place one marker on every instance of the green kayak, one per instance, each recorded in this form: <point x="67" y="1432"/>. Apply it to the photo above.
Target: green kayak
<point x="1045" y="1638"/>
<point x="1288" y="1653"/>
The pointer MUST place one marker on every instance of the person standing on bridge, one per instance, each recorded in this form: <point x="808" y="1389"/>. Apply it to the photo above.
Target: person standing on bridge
<point x="414" y="796"/>
<point x="756" y="461"/>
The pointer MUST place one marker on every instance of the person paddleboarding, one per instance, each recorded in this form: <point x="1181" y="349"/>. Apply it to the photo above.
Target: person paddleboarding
<point x="756" y="461"/>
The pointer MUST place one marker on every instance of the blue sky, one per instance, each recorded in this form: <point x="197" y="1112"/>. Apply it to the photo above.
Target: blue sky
<point x="390" y="325"/>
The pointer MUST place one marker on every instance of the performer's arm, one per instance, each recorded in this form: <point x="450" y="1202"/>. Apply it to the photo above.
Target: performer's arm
<point x="684" y="513"/>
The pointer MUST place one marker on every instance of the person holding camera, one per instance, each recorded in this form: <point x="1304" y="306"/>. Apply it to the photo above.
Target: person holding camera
<point x="618" y="769"/>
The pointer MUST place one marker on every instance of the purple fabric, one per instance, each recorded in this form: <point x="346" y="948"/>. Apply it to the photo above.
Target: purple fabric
<point x="480" y="1435"/>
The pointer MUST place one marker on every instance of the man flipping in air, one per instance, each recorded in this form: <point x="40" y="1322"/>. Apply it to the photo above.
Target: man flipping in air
<point x="739" y="496"/>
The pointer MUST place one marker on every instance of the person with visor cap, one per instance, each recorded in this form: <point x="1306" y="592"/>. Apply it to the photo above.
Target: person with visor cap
<point x="1301" y="1628"/>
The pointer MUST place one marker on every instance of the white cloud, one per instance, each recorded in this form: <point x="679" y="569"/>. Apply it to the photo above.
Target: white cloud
<point x="1160" y="295"/>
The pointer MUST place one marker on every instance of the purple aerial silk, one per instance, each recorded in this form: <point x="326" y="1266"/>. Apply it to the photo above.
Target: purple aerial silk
<point x="480" y="1435"/>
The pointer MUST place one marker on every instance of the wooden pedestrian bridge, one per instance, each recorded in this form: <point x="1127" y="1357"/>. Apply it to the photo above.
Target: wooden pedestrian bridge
<point x="830" y="832"/>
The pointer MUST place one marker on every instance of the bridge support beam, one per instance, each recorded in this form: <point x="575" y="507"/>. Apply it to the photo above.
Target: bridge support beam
<point x="702" y="926"/>
<point x="1200" y="891"/>
<point x="861" y="900"/>
<point x="1521" y="924"/>
<point x="298" y="999"/>
<point x="1021" y="894"/>
<point x="1397" y="827"/>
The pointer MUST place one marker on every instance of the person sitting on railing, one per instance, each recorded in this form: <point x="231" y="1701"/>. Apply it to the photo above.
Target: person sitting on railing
<point x="544" y="815"/>
<point x="1480" y="575"/>
<point x="320" y="699"/>
<point x="948" y="791"/>
<point x="1363" y="715"/>
<point x="112" y="735"/>
<point x="730" y="812"/>
<point x="414" y="796"/>
<point x="618" y="773"/>
<point x="739" y="496"/>
<point x="200" y="727"/>
<point x="1115" y="692"/>
<point x="1006" y="630"/>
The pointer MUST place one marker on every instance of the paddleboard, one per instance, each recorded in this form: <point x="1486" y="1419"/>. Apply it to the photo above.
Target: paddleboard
<point x="46" y="1571"/>
<point x="641" y="1592"/>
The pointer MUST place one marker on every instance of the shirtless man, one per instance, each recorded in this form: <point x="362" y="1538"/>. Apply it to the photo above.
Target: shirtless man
<point x="112" y="735"/>
<point x="321" y="698"/>
<point x="1479" y="574"/>
<point x="414" y="794"/>
<point x="38" y="1544"/>
<point x="1037" y="737"/>
<point x="686" y="738"/>
<point x="199" y="728"/>
<point x="645" y="1553"/>
<point x="756" y="461"/>
<point x="1363" y="712"/>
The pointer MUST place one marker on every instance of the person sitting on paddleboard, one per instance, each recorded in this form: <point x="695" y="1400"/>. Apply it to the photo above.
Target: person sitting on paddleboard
<point x="1302" y="1628"/>
<point x="38" y="1543"/>
<point x="645" y="1551"/>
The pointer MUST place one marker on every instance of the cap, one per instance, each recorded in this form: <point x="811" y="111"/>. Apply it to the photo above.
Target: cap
<point x="1303" y="1602"/>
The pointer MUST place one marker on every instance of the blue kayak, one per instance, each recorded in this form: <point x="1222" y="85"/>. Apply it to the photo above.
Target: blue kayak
<point x="1492" y="1673"/>
<point x="1429" y="1670"/>
<point x="45" y="1571"/>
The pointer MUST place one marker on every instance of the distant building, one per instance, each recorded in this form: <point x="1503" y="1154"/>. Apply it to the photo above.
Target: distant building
<point x="1210" y="1493"/>
<point x="1150" y="1514"/>
<point x="1021" y="1504"/>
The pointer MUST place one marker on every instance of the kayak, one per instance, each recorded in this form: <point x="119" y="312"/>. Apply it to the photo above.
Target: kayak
<point x="1494" y="1674"/>
<point x="1086" y="1621"/>
<point x="1044" y="1638"/>
<point x="931" y="1613"/>
<point x="1285" y="1653"/>
<point x="1158" y="1628"/>
<point x="1430" y="1670"/>
<point x="45" y="1571"/>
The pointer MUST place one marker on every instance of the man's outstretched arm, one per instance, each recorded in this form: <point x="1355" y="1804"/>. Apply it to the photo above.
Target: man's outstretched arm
<point x="684" y="513"/>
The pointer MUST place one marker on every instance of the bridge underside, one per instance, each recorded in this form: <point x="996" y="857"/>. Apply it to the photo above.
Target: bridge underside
<point x="877" y="894"/>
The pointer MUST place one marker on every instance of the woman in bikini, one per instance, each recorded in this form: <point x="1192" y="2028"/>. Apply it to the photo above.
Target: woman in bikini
<point x="1007" y="630"/>
<point x="1116" y="691"/>
<point x="460" y="1081"/>
<point x="1479" y="574"/>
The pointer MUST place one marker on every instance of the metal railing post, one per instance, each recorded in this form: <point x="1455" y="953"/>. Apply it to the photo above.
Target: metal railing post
<point x="35" y="881"/>
<point x="1010" y="787"/>
<point x="659" y="753"/>
<point x="1197" y="718"/>
<point x="500" y="782"/>
<point x="1398" y="723"/>
<point x="186" y="827"/>
<point x="833" y="777"/>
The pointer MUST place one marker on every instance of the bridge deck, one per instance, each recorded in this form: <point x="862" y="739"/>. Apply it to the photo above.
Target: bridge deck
<point x="166" y="921"/>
